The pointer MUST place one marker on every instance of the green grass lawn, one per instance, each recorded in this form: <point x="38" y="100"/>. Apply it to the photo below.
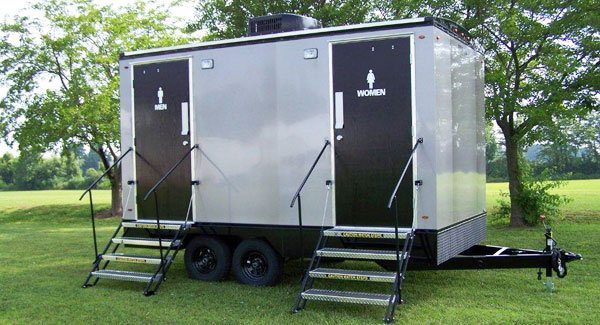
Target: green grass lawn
<point x="46" y="251"/>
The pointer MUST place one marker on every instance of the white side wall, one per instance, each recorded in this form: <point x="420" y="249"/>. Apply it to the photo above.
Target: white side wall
<point x="460" y="122"/>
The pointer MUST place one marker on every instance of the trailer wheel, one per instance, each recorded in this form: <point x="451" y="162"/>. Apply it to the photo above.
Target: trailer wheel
<point x="256" y="263"/>
<point x="207" y="258"/>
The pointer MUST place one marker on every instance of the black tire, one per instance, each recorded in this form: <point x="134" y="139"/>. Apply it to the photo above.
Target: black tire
<point x="207" y="258"/>
<point x="256" y="263"/>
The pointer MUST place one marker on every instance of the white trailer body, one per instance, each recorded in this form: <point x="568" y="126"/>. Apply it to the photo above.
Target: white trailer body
<point x="260" y="109"/>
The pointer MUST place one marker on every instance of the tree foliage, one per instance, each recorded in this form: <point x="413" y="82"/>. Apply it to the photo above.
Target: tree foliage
<point x="229" y="19"/>
<point x="572" y="147"/>
<point x="31" y="171"/>
<point x="536" y="199"/>
<point x="60" y="66"/>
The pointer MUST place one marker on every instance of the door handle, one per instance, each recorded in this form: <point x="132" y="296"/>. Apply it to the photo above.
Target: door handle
<point x="185" y="119"/>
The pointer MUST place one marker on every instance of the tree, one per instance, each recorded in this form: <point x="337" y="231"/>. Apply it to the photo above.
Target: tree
<point x="61" y="71"/>
<point x="542" y="64"/>
<point x="7" y="169"/>
<point x="229" y="19"/>
<point x="561" y="147"/>
<point x="89" y="159"/>
<point x="32" y="172"/>
<point x="494" y="156"/>
<point x="588" y="131"/>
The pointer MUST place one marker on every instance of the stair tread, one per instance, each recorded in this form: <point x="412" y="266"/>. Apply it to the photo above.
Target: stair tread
<point x="126" y="275"/>
<point x="367" y="232"/>
<point x="358" y="250"/>
<point x="145" y="239"/>
<point x="132" y="255"/>
<point x="121" y="257"/>
<point x="167" y="222"/>
<point x="369" y="229"/>
<point x="121" y="272"/>
<point x="346" y="296"/>
<point x="153" y="225"/>
<point x="368" y="254"/>
<point x="355" y="272"/>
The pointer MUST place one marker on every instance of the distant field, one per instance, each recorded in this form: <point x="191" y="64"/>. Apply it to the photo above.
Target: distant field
<point x="27" y="199"/>
<point x="46" y="250"/>
<point x="585" y="195"/>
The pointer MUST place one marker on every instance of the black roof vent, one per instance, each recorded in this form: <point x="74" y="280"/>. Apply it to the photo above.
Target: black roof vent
<point x="280" y="23"/>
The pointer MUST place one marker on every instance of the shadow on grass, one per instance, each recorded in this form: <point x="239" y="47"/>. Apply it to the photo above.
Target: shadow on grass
<point x="55" y="214"/>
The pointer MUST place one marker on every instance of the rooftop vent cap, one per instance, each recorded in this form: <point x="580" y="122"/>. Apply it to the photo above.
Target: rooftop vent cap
<point x="280" y="23"/>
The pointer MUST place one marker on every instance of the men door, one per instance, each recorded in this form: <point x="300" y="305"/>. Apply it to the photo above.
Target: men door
<point x="162" y="137"/>
<point x="372" y="130"/>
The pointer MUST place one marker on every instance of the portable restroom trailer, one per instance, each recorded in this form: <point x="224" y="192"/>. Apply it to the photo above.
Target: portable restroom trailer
<point x="374" y="132"/>
<point x="260" y="109"/>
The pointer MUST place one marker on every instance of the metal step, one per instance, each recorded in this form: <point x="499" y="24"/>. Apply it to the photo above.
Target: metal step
<point x="153" y="242"/>
<point x="367" y="232"/>
<point x="119" y="257"/>
<point x="151" y="225"/>
<point x="347" y="297"/>
<point x="362" y="254"/>
<point x="356" y="275"/>
<point x="125" y="275"/>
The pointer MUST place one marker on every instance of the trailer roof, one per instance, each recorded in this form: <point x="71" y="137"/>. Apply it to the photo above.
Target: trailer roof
<point x="451" y="27"/>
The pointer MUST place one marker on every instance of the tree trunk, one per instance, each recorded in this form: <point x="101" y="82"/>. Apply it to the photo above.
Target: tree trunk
<point x="116" y="208"/>
<point x="114" y="177"/>
<point x="514" y="182"/>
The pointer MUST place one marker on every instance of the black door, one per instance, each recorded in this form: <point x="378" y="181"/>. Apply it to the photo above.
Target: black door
<point x="372" y="130"/>
<point x="161" y="115"/>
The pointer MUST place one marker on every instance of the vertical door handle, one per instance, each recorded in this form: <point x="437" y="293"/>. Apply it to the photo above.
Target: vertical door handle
<point x="185" y="117"/>
<point x="339" y="110"/>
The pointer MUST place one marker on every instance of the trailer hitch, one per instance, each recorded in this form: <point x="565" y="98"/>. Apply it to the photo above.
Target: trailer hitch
<point x="559" y="258"/>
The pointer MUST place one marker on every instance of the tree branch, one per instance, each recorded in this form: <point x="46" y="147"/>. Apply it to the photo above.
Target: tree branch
<point x="60" y="70"/>
<point x="112" y="152"/>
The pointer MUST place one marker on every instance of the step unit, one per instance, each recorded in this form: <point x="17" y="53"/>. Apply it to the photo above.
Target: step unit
<point x="126" y="275"/>
<point x="173" y="235"/>
<point x="362" y="254"/>
<point x="149" y="242"/>
<point x="127" y="258"/>
<point x="384" y="236"/>
<point x="154" y="225"/>
<point x="367" y="232"/>
<point x="354" y="275"/>
<point x="347" y="297"/>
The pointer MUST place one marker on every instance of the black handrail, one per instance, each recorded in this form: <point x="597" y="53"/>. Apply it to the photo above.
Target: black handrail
<point x="393" y="199"/>
<point x="412" y="153"/>
<point x="153" y="191"/>
<point x="297" y="196"/>
<point x="168" y="173"/>
<point x="309" y="173"/>
<point x="105" y="172"/>
<point x="89" y="190"/>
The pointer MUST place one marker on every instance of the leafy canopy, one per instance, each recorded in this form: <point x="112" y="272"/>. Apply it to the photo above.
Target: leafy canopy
<point x="225" y="19"/>
<point x="60" y="66"/>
